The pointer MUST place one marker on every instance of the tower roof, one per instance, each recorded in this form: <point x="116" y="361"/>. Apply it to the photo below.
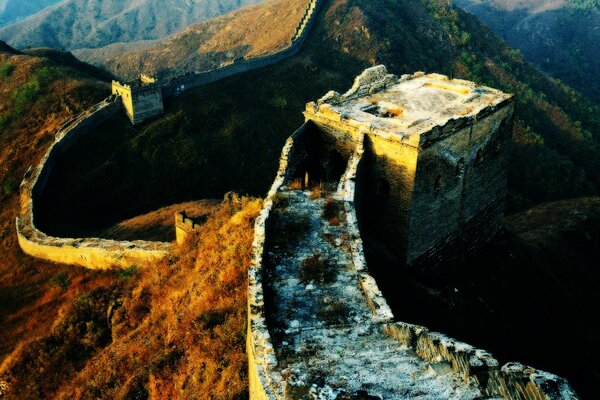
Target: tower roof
<point x="412" y="104"/>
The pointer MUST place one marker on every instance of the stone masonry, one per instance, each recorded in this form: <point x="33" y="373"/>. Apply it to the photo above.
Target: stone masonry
<point x="318" y="326"/>
<point x="435" y="180"/>
<point x="142" y="98"/>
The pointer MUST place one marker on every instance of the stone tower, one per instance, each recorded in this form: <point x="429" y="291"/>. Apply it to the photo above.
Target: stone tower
<point x="142" y="98"/>
<point x="433" y="183"/>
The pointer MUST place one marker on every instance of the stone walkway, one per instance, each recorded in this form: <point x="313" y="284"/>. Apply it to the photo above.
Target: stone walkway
<point x="325" y="337"/>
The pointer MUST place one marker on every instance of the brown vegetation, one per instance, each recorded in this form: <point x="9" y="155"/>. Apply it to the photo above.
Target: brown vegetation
<point x="157" y="225"/>
<point x="36" y="96"/>
<point x="243" y="33"/>
<point x="173" y="331"/>
<point x="331" y="212"/>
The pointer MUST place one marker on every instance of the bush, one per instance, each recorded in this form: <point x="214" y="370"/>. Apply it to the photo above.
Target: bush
<point x="6" y="70"/>
<point x="26" y="94"/>
<point x="332" y="211"/>
<point x="60" y="280"/>
<point x="128" y="272"/>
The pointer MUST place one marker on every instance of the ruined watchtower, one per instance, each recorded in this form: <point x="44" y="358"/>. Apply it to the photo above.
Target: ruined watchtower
<point x="142" y="98"/>
<point x="433" y="182"/>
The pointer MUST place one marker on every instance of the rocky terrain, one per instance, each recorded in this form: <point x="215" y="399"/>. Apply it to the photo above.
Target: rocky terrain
<point x="82" y="23"/>
<point x="561" y="37"/>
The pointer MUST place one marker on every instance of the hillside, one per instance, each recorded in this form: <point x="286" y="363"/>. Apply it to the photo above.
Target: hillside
<point x="244" y="33"/>
<point x="561" y="37"/>
<point x="14" y="10"/>
<point x="96" y="23"/>
<point x="173" y="331"/>
<point x="228" y="135"/>
<point x="36" y="96"/>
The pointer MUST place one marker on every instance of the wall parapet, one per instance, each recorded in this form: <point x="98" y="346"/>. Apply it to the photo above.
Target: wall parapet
<point x="512" y="381"/>
<point x="265" y="382"/>
<point x="92" y="253"/>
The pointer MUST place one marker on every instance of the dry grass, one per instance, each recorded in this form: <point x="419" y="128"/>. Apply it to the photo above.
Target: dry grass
<point x="316" y="192"/>
<point x="158" y="225"/>
<point x="296" y="184"/>
<point x="331" y="212"/>
<point x="173" y="331"/>
<point x="28" y="297"/>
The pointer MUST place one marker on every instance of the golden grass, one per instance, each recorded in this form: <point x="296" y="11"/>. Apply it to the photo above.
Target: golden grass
<point x="173" y="331"/>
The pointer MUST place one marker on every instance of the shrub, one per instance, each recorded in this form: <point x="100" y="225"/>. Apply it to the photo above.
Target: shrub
<point x="9" y="187"/>
<point x="296" y="184"/>
<point x="315" y="268"/>
<point x="128" y="272"/>
<point x="61" y="280"/>
<point x="317" y="190"/>
<point x="26" y="94"/>
<point x="331" y="211"/>
<point x="6" y="70"/>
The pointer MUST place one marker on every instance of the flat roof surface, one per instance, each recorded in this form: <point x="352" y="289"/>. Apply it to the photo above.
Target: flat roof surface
<point x="409" y="105"/>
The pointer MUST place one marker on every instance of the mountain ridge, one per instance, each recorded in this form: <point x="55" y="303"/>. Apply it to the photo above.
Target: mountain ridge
<point x="561" y="38"/>
<point x="96" y="23"/>
<point x="243" y="33"/>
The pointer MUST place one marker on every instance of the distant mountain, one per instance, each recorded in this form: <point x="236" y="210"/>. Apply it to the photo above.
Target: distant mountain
<point x="95" y="23"/>
<point x="247" y="32"/>
<point x="14" y="10"/>
<point x="562" y="37"/>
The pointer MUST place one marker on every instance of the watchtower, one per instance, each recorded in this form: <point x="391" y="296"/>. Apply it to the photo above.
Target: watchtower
<point x="142" y="98"/>
<point x="433" y="178"/>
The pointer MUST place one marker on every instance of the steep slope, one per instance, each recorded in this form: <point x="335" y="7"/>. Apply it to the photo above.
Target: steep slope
<point x="176" y="331"/>
<point x="243" y="33"/>
<point x="560" y="37"/>
<point x="36" y="96"/>
<point x="14" y="10"/>
<point x="96" y="23"/>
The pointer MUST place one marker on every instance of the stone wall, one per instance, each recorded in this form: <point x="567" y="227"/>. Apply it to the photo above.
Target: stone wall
<point x="195" y="79"/>
<point x="460" y="185"/>
<point x="265" y="382"/>
<point x="512" y="381"/>
<point x="477" y="367"/>
<point x="141" y="103"/>
<point x="87" y="252"/>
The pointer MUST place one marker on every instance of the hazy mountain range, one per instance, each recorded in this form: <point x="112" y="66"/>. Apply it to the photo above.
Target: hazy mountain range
<point x="562" y="37"/>
<point x="76" y="24"/>
<point x="14" y="10"/>
<point x="247" y="33"/>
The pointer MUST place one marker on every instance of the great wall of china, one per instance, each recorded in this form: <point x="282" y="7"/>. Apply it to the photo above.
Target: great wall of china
<point x="96" y="253"/>
<point x="355" y="349"/>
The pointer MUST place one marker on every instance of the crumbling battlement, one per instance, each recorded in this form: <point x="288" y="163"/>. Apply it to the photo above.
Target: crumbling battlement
<point x="92" y="253"/>
<point x="184" y="225"/>
<point x="272" y="378"/>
